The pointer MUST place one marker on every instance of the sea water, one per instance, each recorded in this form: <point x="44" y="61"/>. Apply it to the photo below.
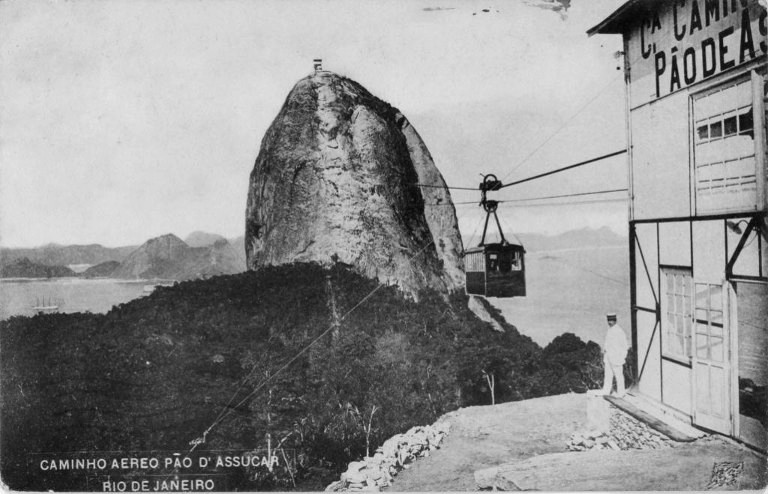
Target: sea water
<point x="570" y="291"/>
<point x="19" y="296"/>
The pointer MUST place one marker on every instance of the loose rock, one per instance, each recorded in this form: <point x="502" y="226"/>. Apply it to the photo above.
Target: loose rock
<point x="625" y="432"/>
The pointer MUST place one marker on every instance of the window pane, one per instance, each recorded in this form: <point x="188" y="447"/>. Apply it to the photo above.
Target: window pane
<point x="716" y="297"/>
<point x="746" y="123"/>
<point x="702" y="296"/>
<point x="723" y="136"/>
<point x="716" y="316"/>
<point x="676" y="322"/>
<point x="702" y="328"/>
<point x="716" y="129"/>
<point x="702" y="346"/>
<point x="674" y="344"/>
<point x="716" y="349"/>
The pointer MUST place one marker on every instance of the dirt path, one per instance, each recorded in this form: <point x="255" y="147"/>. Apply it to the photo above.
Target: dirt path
<point x="527" y="438"/>
<point x="483" y="437"/>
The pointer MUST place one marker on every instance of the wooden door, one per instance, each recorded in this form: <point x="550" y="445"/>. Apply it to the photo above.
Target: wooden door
<point x="711" y="359"/>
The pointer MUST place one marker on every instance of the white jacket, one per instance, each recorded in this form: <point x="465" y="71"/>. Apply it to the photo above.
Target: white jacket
<point x="616" y="344"/>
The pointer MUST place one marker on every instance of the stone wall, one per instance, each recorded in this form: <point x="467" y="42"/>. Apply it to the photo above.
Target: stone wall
<point x="376" y="472"/>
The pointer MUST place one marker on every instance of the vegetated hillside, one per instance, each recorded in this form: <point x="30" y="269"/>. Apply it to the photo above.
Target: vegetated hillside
<point x="63" y="255"/>
<point x="155" y="373"/>
<point x="24" y="268"/>
<point x="101" y="270"/>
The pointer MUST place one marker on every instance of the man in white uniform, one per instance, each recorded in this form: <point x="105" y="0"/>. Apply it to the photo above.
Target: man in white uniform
<point x="614" y="354"/>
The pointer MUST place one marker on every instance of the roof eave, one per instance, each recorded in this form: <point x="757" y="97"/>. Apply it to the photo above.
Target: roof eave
<point x="614" y="23"/>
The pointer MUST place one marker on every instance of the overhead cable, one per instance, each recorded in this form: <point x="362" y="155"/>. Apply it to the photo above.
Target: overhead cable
<point x="567" y="195"/>
<point x="570" y="167"/>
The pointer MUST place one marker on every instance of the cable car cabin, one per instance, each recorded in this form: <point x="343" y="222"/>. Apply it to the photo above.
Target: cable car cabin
<point x="495" y="270"/>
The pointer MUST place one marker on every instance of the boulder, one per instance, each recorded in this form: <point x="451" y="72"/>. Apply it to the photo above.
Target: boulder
<point x="339" y="178"/>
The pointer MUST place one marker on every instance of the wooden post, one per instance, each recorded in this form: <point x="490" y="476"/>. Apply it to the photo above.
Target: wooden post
<point x="758" y="117"/>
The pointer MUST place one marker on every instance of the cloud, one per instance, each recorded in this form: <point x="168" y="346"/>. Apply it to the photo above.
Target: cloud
<point x="437" y="9"/>
<point x="559" y="6"/>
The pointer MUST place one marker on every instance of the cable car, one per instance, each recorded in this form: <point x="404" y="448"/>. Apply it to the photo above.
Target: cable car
<point x="494" y="269"/>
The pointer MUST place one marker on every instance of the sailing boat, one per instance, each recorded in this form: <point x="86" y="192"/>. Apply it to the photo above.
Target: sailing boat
<point x="46" y="307"/>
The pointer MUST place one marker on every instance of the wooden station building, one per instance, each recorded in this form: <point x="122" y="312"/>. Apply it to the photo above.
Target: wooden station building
<point x="696" y="90"/>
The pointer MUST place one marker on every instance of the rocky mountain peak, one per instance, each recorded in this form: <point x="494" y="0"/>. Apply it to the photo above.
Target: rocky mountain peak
<point x="337" y="179"/>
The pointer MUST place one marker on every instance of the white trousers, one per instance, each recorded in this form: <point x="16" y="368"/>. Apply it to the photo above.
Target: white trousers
<point x="610" y="371"/>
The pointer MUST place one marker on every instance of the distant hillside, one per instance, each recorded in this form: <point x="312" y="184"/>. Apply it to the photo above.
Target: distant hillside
<point x="238" y="243"/>
<point x="101" y="270"/>
<point x="62" y="255"/>
<point x="24" y="268"/>
<point x="169" y="257"/>
<point x="573" y="239"/>
<point x="202" y="239"/>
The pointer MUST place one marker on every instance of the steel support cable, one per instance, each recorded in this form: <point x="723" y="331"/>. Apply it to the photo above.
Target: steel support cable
<point x="578" y="194"/>
<point x="527" y="199"/>
<point x="565" y="168"/>
<point x="541" y="175"/>
<point x="445" y="187"/>
<point x="565" y="203"/>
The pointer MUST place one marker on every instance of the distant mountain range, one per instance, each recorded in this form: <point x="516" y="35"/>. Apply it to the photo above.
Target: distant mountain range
<point x="573" y="239"/>
<point x="165" y="257"/>
<point x="204" y="254"/>
<point x="25" y="268"/>
<point x="64" y="255"/>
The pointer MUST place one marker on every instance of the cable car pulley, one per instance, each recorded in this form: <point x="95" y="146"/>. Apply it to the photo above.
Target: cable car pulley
<point x="490" y="183"/>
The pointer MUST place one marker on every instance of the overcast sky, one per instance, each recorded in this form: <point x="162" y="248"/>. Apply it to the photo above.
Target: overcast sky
<point x="124" y="120"/>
